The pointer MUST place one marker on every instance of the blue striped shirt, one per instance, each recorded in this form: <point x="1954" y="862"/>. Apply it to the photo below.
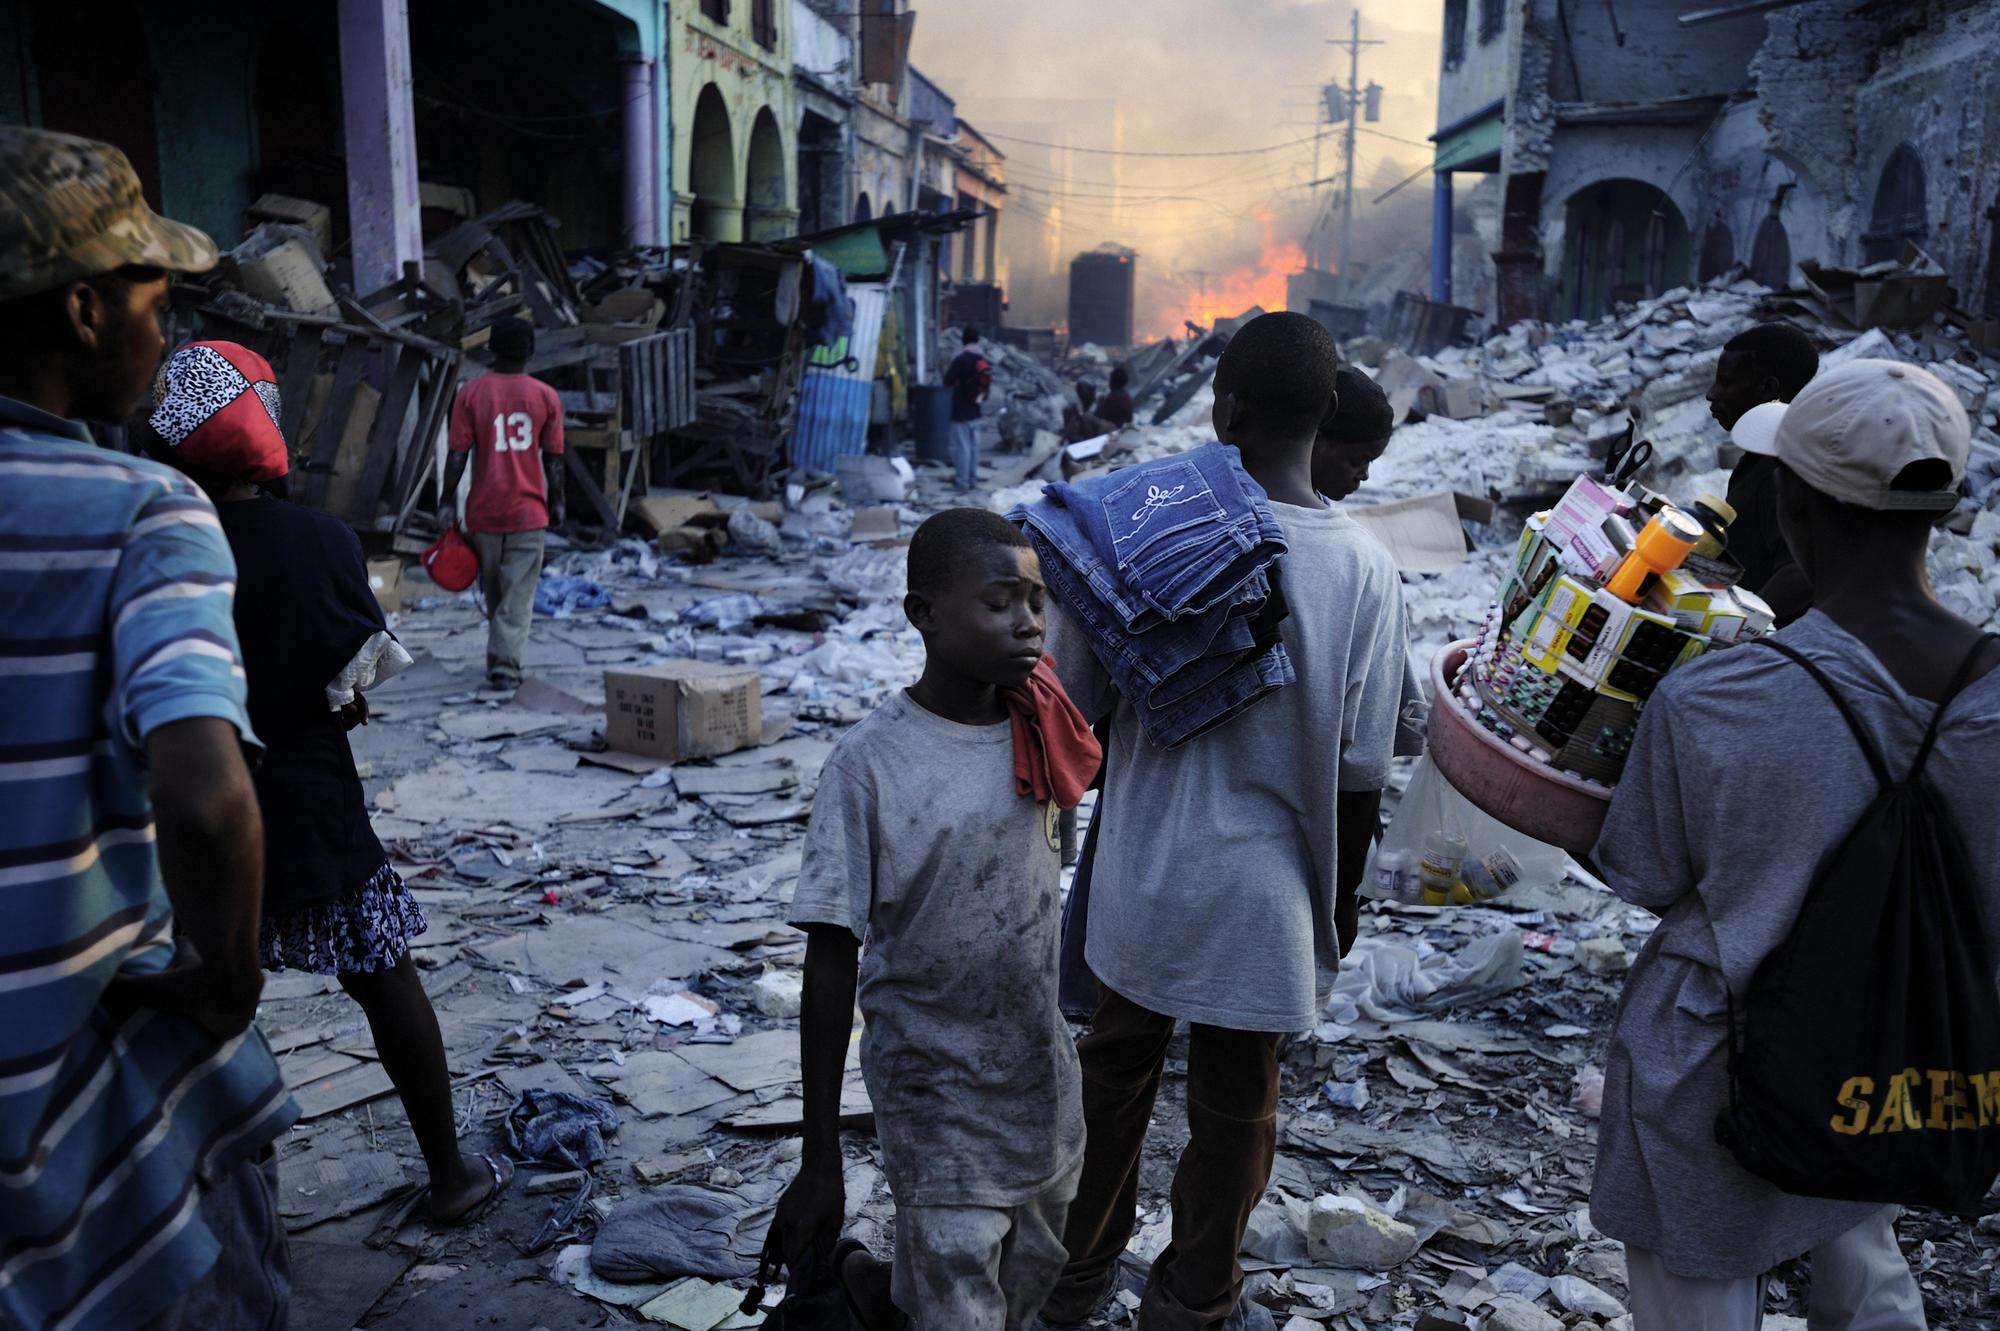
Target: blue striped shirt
<point x="115" y="619"/>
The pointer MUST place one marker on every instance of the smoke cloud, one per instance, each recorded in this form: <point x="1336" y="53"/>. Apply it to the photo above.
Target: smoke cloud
<point x="1183" y="76"/>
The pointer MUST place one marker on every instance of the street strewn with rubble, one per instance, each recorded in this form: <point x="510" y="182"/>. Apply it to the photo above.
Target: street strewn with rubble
<point x="611" y="927"/>
<point x="1506" y="371"/>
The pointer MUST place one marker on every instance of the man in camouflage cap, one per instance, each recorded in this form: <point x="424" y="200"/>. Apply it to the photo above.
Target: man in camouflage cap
<point x="84" y="265"/>
<point x="138" y="1102"/>
<point x="72" y="208"/>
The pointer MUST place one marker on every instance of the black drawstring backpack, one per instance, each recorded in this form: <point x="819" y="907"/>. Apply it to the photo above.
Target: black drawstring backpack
<point x="1864" y="1060"/>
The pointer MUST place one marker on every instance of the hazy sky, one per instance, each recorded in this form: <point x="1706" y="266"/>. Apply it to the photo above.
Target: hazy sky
<point x="1178" y="76"/>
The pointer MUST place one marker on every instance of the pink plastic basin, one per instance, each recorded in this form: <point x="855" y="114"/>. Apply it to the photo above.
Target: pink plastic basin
<point x="1530" y="797"/>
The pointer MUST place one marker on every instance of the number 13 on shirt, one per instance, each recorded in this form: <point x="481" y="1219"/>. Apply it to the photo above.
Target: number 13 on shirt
<point x="513" y="432"/>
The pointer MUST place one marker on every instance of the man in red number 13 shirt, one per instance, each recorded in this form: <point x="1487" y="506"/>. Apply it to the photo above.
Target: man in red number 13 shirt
<point x="511" y="425"/>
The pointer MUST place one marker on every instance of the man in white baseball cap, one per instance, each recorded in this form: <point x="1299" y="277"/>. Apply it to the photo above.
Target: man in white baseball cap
<point x="1878" y="434"/>
<point x="1742" y="780"/>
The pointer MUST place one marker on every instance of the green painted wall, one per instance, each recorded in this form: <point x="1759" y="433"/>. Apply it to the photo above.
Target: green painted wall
<point x="16" y="90"/>
<point x="202" y="60"/>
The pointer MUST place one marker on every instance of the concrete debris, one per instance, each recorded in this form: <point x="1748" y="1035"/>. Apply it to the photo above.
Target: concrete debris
<point x="779" y="993"/>
<point x="1519" y="1315"/>
<point x="1353" y="1234"/>
<point x="1580" y="1296"/>
<point x="608" y="925"/>
<point x="1602" y="956"/>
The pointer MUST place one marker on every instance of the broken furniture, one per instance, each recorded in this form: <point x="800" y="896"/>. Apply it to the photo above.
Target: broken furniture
<point x="748" y="353"/>
<point x="360" y="402"/>
<point x="502" y="261"/>
<point x="1423" y="327"/>
<point x="1902" y="293"/>
<point x="633" y="395"/>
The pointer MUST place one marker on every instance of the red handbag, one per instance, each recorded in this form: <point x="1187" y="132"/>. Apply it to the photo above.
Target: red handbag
<point x="451" y="561"/>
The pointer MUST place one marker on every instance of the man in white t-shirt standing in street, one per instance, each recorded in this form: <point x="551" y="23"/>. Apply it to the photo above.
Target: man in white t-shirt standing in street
<point x="1225" y="879"/>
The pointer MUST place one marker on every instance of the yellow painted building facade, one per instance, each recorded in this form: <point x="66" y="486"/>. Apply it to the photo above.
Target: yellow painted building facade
<point x="735" y="126"/>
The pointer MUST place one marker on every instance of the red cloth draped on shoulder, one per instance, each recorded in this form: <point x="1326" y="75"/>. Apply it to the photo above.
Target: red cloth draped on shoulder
<point x="1056" y="756"/>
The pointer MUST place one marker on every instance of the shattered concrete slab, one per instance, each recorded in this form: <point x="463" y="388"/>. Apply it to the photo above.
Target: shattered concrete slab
<point x="612" y="926"/>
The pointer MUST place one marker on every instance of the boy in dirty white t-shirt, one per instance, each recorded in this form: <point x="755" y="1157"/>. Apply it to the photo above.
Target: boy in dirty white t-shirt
<point x="921" y="847"/>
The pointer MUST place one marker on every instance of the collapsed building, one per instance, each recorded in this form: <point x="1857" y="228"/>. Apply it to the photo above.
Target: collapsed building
<point x="607" y="910"/>
<point x="1643" y="146"/>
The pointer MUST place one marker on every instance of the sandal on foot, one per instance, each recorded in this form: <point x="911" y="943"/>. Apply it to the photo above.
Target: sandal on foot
<point x="503" y="1174"/>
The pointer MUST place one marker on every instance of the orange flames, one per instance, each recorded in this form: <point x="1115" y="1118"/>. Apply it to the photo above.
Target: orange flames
<point x="1261" y="283"/>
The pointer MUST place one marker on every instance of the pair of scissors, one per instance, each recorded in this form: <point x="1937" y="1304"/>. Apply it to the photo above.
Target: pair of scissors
<point x="1625" y="459"/>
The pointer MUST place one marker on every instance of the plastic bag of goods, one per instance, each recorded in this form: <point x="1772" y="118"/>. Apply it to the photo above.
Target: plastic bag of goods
<point x="1441" y="849"/>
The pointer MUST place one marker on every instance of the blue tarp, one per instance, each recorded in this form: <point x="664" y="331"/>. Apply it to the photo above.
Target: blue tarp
<point x="832" y="420"/>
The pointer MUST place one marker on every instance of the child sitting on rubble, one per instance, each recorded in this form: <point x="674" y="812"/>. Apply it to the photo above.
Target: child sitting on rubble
<point x="1080" y="419"/>
<point x="1117" y="408"/>
<point x="933" y="839"/>
<point x="1352" y="439"/>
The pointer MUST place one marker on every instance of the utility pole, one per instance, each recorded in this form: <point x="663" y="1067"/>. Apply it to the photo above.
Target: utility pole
<point x="1354" y="109"/>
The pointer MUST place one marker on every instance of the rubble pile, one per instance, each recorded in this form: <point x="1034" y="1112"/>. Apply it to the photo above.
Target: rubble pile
<point x="608" y="925"/>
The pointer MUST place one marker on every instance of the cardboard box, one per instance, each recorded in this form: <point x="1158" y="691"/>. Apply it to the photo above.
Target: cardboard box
<point x="879" y="525"/>
<point x="671" y="509"/>
<point x="316" y="218"/>
<point x="682" y="709"/>
<point x="697" y="545"/>
<point x="1458" y="399"/>
<point x="1682" y="597"/>
<point x="385" y="579"/>
<point x="288" y="276"/>
<point x="1586" y="504"/>
<point x="1422" y="533"/>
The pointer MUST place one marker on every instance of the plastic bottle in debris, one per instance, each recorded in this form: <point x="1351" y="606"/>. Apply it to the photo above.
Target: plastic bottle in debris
<point x="1493" y="874"/>
<point x="1393" y="876"/>
<point x="1444" y="855"/>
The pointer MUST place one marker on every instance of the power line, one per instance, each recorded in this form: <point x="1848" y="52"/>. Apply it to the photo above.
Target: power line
<point x="1380" y="134"/>
<point x="1119" y="180"/>
<point x="1139" y="197"/>
<point x="1126" y="152"/>
<point x="1354" y="108"/>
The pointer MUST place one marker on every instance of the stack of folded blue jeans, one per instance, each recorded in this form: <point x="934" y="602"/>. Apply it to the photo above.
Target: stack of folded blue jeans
<point x="1169" y="567"/>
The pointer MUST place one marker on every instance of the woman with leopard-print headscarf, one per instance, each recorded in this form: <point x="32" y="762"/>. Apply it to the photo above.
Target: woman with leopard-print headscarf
<point x="313" y="637"/>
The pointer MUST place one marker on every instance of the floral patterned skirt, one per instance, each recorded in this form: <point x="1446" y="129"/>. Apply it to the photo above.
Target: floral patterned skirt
<point x="367" y="931"/>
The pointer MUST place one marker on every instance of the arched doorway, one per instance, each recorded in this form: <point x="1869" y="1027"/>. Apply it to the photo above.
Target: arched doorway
<point x="764" y="179"/>
<point x="1771" y="257"/>
<point x="819" y="168"/>
<point x="1623" y="240"/>
<point x="718" y="206"/>
<point x="1718" y="251"/>
<point x="1900" y="214"/>
<point x="863" y="210"/>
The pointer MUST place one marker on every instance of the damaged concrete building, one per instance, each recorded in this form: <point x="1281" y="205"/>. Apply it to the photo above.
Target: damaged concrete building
<point x="1642" y="144"/>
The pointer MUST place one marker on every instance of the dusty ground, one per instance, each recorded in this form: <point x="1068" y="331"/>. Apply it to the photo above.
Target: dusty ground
<point x="616" y="934"/>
